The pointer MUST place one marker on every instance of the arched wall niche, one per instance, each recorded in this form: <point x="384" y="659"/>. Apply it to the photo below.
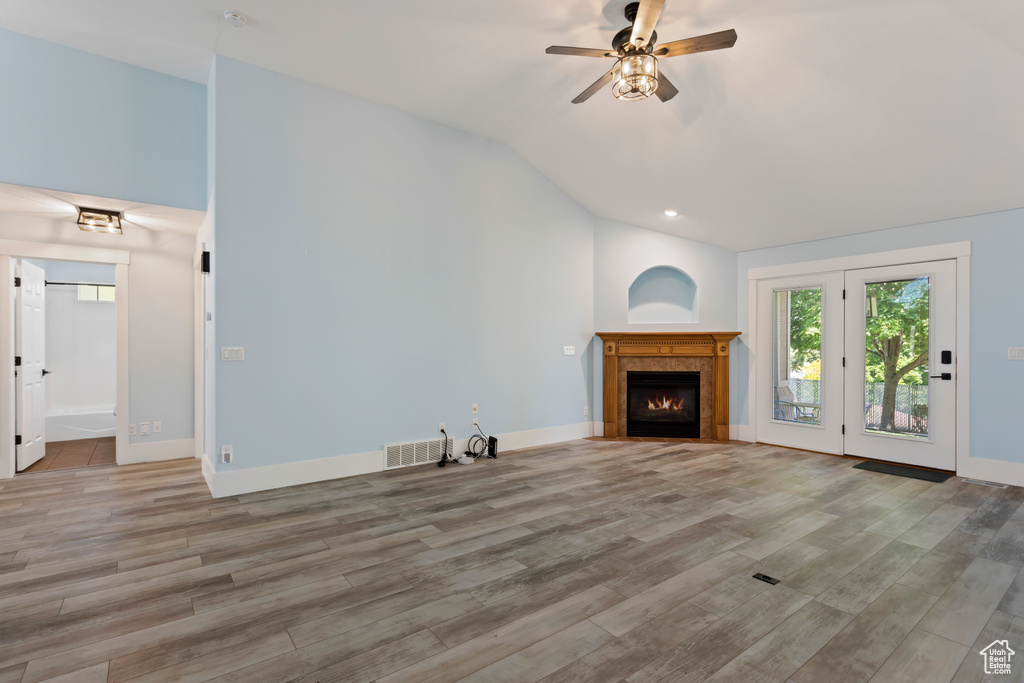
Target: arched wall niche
<point x="663" y="294"/>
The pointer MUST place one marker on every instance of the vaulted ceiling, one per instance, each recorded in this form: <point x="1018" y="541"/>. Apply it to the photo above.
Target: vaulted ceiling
<point x="828" y="117"/>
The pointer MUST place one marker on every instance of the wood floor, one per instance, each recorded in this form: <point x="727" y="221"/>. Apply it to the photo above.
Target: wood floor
<point x="62" y="455"/>
<point x="587" y="561"/>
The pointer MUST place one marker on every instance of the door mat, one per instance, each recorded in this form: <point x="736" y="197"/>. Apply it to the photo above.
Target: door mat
<point x="901" y="471"/>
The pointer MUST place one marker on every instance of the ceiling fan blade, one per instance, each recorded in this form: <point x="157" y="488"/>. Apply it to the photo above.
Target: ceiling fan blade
<point x="646" y="18"/>
<point x="598" y="84"/>
<point x="666" y="91"/>
<point x="580" y="51"/>
<point x="711" y="41"/>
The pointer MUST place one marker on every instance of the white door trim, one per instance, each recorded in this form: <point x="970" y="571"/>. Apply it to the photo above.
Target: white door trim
<point x="961" y="251"/>
<point x="936" y="252"/>
<point x="9" y="249"/>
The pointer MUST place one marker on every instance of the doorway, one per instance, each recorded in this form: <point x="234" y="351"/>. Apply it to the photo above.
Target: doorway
<point x="11" y="253"/>
<point x="65" y="337"/>
<point x="861" y="362"/>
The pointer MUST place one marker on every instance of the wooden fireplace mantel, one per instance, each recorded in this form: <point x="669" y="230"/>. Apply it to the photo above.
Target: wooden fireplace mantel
<point x="713" y="345"/>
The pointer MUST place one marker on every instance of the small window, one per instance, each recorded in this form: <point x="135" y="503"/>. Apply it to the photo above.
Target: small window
<point x="104" y="293"/>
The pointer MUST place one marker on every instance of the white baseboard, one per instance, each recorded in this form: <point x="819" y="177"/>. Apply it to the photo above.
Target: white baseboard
<point x="235" y="482"/>
<point x="208" y="473"/>
<point x="742" y="433"/>
<point x="156" y="451"/>
<point x="598" y="428"/>
<point x="514" y="441"/>
<point x="1011" y="473"/>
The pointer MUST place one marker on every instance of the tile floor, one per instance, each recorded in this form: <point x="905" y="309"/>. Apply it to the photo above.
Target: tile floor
<point x="62" y="455"/>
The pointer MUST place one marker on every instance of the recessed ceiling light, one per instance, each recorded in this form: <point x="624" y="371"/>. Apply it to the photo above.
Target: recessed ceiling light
<point x="236" y="19"/>
<point x="671" y="213"/>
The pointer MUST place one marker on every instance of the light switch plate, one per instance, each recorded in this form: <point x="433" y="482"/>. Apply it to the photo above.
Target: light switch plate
<point x="143" y="428"/>
<point x="1015" y="353"/>
<point x="157" y="427"/>
<point x="131" y="429"/>
<point x="232" y="353"/>
<point x="568" y="350"/>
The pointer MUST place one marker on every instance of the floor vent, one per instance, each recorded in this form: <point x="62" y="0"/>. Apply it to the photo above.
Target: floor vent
<point x="986" y="483"/>
<point x="413" y="453"/>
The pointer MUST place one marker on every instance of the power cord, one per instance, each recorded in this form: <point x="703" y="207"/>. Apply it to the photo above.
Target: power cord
<point x="480" y="444"/>
<point x="445" y="456"/>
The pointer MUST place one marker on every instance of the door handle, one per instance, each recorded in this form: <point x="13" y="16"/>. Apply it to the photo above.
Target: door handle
<point x="47" y="372"/>
<point x="945" y="375"/>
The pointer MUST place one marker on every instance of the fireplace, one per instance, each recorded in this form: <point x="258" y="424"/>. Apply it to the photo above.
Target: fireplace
<point x="663" y="404"/>
<point x="704" y="353"/>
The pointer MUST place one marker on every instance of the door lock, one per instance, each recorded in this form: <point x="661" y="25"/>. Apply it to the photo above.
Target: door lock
<point x="945" y="375"/>
<point x="47" y="372"/>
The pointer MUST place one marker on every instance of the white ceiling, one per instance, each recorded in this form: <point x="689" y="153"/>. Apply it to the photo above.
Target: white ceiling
<point x="828" y="117"/>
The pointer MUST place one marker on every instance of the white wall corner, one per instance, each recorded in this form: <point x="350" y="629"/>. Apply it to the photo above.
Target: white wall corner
<point x="157" y="451"/>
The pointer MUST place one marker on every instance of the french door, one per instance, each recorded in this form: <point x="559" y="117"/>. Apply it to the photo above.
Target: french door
<point x="800" y="373"/>
<point x="901" y="364"/>
<point x="860" y="362"/>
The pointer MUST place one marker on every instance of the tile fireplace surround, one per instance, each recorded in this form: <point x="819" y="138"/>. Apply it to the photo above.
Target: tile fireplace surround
<point x="706" y="352"/>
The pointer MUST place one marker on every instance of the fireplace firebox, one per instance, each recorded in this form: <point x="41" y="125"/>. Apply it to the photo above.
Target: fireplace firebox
<point x="663" y="404"/>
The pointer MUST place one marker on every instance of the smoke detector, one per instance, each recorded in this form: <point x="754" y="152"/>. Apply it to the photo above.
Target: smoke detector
<point x="236" y="19"/>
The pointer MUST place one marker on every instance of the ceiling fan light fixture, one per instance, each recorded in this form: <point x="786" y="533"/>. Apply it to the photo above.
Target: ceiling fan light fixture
<point x="99" y="220"/>
<point x="635" y="76"/>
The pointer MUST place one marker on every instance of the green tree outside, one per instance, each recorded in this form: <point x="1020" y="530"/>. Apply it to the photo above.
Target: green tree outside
<point x="896" y="337"/>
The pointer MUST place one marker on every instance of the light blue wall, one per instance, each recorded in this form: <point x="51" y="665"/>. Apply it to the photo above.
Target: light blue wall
<point x="663" y="295"/>
<point x="623" y="252"/>
<point x="997" y="316"/>
<point x="79" y="123"/>
<point x="383" y="273"/>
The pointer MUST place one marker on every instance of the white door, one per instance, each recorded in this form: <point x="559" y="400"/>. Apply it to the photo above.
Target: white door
<point x="901" y="364"/>
<point x="31" y="348"/>
<point x="800" y="362"/>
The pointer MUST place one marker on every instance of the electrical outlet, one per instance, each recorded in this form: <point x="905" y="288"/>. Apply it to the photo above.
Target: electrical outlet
<point x="475" y="409"/>
<point x="144" y="428"/>
<point x="476" y="422"/>
<point x="226" y="454"/>
<point x="440" y="426"/>
<point x="586" y="411"/>
<point x="1015" y="353"/>
<point x="568" y="350"/>
<point x="157" y="427"/>
<point x="131" y="429"/>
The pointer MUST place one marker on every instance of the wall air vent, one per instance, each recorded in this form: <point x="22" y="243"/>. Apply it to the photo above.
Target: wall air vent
<point x="414" y="453"/>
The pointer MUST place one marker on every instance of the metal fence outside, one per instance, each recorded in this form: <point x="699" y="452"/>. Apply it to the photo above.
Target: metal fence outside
<point x="911" y="404"/>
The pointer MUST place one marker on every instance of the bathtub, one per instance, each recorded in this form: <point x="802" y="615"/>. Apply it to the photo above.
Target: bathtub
<point x="80" y="423"/>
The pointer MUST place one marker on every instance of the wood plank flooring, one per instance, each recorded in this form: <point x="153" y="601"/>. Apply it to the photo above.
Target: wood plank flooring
<point x="586" y="561"/>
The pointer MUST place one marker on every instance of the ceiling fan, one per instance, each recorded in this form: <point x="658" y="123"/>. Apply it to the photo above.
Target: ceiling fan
<point x="635" y="74"/>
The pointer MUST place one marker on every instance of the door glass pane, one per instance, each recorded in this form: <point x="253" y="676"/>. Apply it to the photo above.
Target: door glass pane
<point x="896" y="365"/>
<point x="796" y="357"/>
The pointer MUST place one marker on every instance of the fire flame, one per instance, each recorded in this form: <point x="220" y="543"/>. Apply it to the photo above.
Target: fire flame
<point x="665" y="403"/>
